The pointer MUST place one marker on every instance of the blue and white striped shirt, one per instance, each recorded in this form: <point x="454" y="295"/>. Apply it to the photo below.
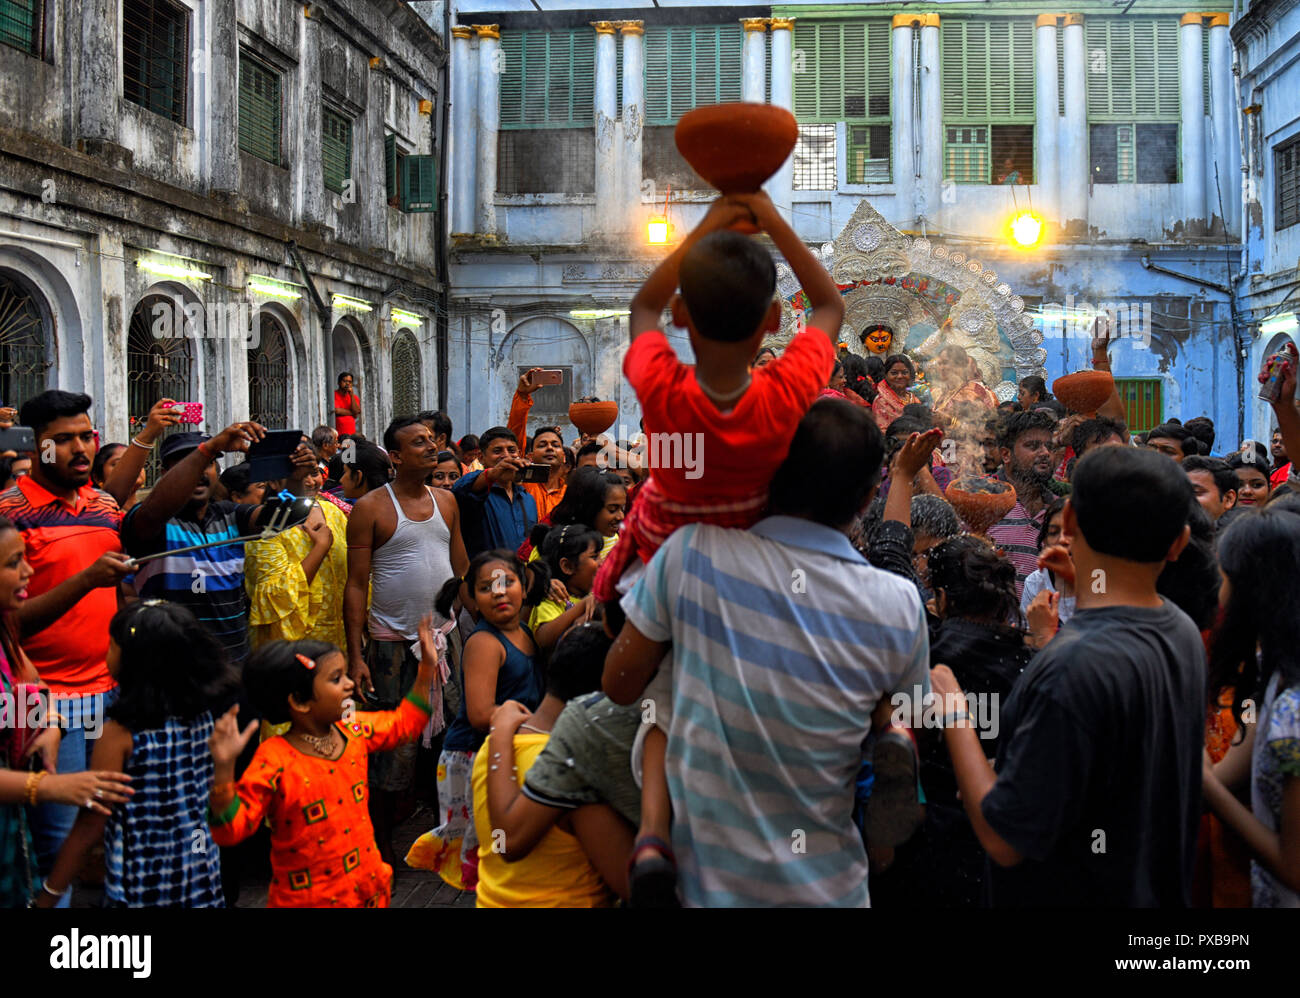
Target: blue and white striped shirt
<point x="784" y="641"/>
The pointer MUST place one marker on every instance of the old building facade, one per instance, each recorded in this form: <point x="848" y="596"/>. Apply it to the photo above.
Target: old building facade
<point x="222" y="201"/>
<point x="1119" y="131"/>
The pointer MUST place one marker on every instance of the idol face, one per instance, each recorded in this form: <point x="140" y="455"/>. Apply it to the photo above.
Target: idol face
<point x="878" y="341"/>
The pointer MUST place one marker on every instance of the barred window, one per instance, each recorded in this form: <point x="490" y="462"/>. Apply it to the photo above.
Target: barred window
<point x="155" y="56"/>
<point x="1286" y="161"/>
<point x="546" y="160"/>
<point x="814" y="158"/>
<point x="22" y="25"/>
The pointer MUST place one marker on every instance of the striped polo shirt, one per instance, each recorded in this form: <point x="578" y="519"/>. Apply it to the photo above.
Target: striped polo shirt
<point x="784" y="641"/>
<point x="1016" y="536"/>
<point x="62" y="540"/>
<point x="210" y="582"/>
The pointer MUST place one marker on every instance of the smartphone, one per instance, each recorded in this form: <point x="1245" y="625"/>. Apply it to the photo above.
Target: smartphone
<point x="271" y="458"/>
<point x="191" y="412"/>
<point x="541" y="378"/>
<point x="534" y="474"/>
<point x="19" y="438"/>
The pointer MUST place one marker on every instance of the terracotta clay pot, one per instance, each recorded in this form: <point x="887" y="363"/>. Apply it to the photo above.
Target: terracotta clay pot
<point x="1084" y="391"/>
<point x="593" y="418"/>
<point x="736" y="147"/>
<point x="980" y="501"/>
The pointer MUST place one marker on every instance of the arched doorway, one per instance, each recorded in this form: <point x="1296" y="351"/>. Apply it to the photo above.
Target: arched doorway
<point x="552" y="343"/>
<point x="352" y="354"/>
<point x="24" y="356"/>
<point x="157" y="366"/>
<point x="268" y="374"/>
<point x="407" y="393"/>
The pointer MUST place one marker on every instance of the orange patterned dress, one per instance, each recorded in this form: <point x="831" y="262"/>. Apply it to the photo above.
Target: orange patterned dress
<point x="323" y="851"/>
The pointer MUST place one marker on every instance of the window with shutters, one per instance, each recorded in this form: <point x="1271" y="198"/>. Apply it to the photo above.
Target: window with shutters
<point x="1143" y="406"/>
<point x="336" y="149"/>
<point x="155" y="56"/>
<point x="546" y="143"/>
<point x="22" y="25"/>
<point x="686" y="66"/>
<point x="988" y="100"/>
<point x="844" y="75"/>
<point x="420" y="183"/>
<point x="1133" y="100"/>
<point x="1286" y="168"/>
<point x="259" y="109"/>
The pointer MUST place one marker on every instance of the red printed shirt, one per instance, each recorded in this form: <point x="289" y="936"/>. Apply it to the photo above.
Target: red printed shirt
<point x="700" y="455"/>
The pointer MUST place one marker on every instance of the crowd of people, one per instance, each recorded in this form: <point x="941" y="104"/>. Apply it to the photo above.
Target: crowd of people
<point x="808" y="676"/>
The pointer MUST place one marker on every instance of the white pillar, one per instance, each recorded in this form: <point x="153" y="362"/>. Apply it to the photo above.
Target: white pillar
<point x="632" y="33"/>
<point x="1072" y="134"/>
<point x="608" y="195"/>
<point x="489" y="119"/>
<point x="931" y="125"/>
<point x="464" y="134"/>
<point x="781" y="187"/>
<point x="1046" y="167"/>
<point x="1223" y="117"/>
<point x="306" y="160"/>
<point x="219" y="109"/>
<point x="1193" y="114"/>
<point x="903" y="168"/>
<point x="753" y="59"/>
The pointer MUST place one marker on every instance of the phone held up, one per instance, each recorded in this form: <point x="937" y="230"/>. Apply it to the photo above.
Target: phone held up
<point x="541" y="379"/>
<point x="534" y="474"/>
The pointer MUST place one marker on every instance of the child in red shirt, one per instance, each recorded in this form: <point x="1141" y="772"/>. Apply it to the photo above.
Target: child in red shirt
<point x="716" y="432"/>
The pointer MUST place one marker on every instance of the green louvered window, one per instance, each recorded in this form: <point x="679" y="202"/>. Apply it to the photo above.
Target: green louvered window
<point x="685" y="67"/>
<point x="420" y="183"/>
<point x="155" y="56"/>
<point x="988" y="100"/>
<point x="843" y="74"/>
<point x="1060" y="70"/>
<point x="336" y="149"/>
<point x="688" y="67"/>
<point x="548" y="78"/>
<point x="22" y="25"/>
<point x="1133" y="99"/>
<point x="259" y="109"/>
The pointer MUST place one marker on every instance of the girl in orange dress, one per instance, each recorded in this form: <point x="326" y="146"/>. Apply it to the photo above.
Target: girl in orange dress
<point x="310" y="784"/>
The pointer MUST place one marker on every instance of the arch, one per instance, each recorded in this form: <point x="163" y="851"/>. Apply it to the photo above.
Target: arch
<point x="160" y="360"/>
<point x="26" y="329"/>
<point x="551" y="342"/>
<point x="1261" y="423"/>
<point x="352" y="353"/>
<point x="408" y="394"/>
<point x="64" y="322"/>
<point x="268" y="372"/>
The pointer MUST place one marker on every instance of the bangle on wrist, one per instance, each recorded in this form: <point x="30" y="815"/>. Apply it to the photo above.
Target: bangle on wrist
<point x="211" y="453"/>
<point x="34" y="782"/>
<point x="136" y="442"/>
<point x="952" y="720"/>
<point x="57" y="895"/>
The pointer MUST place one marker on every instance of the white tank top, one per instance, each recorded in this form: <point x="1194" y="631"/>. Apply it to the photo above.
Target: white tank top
<point x="407" y="572"/>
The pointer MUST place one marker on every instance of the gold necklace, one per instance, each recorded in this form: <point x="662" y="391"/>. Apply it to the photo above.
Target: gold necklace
<point x="323" y="744"/>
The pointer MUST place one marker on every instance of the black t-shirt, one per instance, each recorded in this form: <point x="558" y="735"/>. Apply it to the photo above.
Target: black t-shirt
<point x="1099" y="764"/>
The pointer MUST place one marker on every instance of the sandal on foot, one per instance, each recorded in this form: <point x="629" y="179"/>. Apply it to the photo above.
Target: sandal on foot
<point x="652" y="881"/>
<point x="894" y="810"/>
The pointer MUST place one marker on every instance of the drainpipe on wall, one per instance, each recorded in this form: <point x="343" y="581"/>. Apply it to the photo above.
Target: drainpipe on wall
<point x="323" y="313"/>
<point x="440" y="220"/>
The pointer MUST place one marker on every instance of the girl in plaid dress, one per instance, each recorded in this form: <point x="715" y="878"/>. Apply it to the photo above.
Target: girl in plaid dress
<point x="171" y="675"/>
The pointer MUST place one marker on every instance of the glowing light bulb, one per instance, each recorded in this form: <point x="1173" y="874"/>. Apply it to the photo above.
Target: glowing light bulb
<point x="657" y="229"/>
<point x="1027" y="228"/>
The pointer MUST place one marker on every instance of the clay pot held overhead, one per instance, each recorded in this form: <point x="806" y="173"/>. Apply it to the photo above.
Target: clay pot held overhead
<point x="593" y="418"/>
<point x="980" y="501"/>
<point x="736" y="147"/>
<point x="1084" y="391"/>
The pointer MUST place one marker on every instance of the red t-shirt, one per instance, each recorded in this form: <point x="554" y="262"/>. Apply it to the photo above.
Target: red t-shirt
<point x="344" y="424"/>
<point x="737" y="452"/>
<point x="71" y="654"/>
<point x="1280" y="476"/>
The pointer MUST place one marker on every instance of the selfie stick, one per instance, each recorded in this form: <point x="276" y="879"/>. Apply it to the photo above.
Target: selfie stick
<point x="281" y="519"/>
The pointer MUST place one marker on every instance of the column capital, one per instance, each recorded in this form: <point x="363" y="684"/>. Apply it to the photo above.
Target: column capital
<point x="1046" y="20"/>
<point x="488" y="30"/>
<point x="462" y="31"/>
<point x="754" y="23"/>
<point x="603" y="27"/>
<point x="1191" y="19"/>
<point x="915" y="21"/>
<point x="782" y="23"/>
<point x="1219" y="20"/>
<point x="1073" y="20"/>
<point x="630" y="27"/>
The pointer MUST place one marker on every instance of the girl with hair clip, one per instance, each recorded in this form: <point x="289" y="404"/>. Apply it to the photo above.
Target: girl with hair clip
<point x="171" y="674"/>
<point x="572" y="553"/>
<point x="499" y="663"/>
<point x="310" y="784"/>
<point x="1255" y="653"/>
